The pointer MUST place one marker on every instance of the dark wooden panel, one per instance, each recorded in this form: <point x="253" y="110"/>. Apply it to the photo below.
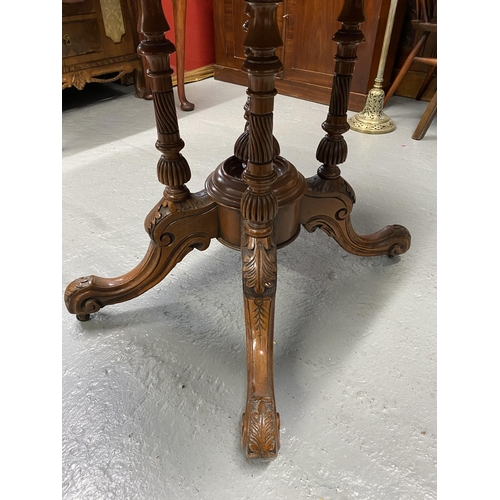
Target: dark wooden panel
<point x="229" y="18"/>
<point x="307" y="91"/>
<point x="308" y="53"/>
<point x="80" y="37"/>
<point x="78" y="8"/>
<point x="309" y="49"/>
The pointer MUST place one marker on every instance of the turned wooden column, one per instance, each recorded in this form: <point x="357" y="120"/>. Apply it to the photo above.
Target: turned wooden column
<point x="259" y="207"/>
<point x="329" y="198"/>
<point x="173" y="169"/>
<point x="332" y="150"/>
<point x="180" y="9"/>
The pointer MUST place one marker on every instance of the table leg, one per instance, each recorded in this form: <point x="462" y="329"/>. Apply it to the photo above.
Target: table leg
<point x="181" y="221"/>
<point x="259" y="207"/>
<point x="180" y="7"/>
<point x="329" y="199"/>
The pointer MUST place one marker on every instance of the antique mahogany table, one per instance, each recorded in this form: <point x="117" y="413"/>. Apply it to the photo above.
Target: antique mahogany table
<point x="255" y="201"/>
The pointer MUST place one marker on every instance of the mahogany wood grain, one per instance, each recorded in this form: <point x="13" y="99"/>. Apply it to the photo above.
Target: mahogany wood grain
<point x="307" y="52"/>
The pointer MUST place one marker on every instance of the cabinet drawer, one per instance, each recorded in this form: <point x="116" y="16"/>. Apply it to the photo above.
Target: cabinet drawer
<point x="80" y="37"/>
<point x="75" y="8"/>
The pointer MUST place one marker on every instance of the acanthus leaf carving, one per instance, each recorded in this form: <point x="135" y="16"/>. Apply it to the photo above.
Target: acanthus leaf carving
<point x="79" y="80"/>
<point x="259" y="264"/>
<point x="263" y="428"/>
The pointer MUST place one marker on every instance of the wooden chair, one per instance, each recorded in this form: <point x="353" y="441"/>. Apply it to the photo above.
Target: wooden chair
<point x="425" y="23"/>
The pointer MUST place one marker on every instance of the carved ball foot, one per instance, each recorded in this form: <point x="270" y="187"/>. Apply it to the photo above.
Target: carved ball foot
<point x="261" y="425"/>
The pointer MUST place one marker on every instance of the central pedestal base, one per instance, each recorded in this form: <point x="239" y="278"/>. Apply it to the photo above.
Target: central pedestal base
<point x="226" y="187"/>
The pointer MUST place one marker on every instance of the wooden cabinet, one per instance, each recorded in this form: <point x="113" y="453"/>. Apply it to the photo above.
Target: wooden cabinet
<point x="99" y="43"/>
<point x="307" y="28"/>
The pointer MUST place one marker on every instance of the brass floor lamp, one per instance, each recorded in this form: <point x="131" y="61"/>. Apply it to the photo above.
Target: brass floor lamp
<point x="373" y="120"/>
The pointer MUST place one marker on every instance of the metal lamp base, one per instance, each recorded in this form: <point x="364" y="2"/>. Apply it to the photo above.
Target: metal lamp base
<point x="373" y="120"/>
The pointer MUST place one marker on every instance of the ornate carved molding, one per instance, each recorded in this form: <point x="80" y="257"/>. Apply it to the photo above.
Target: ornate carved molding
<point x="165" y="213"/>
<point x="79" y="287"/>
<point x="260" y="144"/>
<point x="166" y="116"/>
<point x="259" y="264"/>
<point x="79" y="75"/>
<point x="319" y="186"/>
<point x="132" y="58"/>
<point x="261" y="429"/>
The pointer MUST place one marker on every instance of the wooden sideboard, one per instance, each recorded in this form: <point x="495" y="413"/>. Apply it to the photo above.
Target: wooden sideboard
<point x="99" y="43"/>
<point x="308" y="50"/>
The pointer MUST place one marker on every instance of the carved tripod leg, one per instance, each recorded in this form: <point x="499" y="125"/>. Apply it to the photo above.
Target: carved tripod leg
<point x="173" y="235"/>
<point x="260" y="437"/>
<point x="259" y="207"/>
<point x="181" y="221"/>
<point x="328" y="200"/>
<point x="327" y="205"/>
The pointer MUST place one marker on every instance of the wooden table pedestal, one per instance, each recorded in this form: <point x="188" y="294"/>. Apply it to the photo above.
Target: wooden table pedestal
<point x="255" y="201"/>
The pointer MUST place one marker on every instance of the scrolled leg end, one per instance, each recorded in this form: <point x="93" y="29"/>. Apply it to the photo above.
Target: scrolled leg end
<point x="261" y="424"/>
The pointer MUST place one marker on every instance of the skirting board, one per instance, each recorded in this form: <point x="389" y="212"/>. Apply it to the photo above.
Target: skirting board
<point x="195" y="75"/>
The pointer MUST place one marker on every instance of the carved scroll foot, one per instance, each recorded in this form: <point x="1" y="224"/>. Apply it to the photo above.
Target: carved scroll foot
<point x="327" y="205"/>
<point x="261" y="425"/>
<point x="175" y="229"/>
